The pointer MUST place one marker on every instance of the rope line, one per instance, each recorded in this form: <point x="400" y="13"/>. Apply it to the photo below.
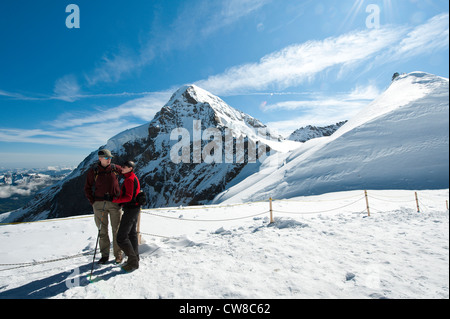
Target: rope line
<point x="47" y="220"/>
<point x="317" y="212"/>
<point x="391" y="201"/>
<point x="35" y="263"/>
<point x="315" y="201"/>
<point x="205" y="220"/>
<point x="154" y="235"/>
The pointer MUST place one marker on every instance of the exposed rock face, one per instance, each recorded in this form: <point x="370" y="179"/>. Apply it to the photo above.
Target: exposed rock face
<point x="304" y="134"/>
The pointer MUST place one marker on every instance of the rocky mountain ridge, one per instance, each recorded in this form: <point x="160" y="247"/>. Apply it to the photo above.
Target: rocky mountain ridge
<point x="309" y="132"/>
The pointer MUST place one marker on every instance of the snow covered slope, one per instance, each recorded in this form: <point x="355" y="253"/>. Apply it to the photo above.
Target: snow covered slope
<point x="233" y="252"/>
<point x="399" y="141"/>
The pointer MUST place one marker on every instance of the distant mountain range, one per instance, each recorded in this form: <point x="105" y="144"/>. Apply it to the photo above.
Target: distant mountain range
<point x="19" y="186"/>
<point x="309" y="132"/>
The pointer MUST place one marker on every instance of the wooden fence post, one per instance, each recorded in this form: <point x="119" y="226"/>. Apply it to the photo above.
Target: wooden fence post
<point x="417" y="202"/>
<point x="271" y="211"/>
<point x="367" y="202"/>
<point x="138" y="227"/>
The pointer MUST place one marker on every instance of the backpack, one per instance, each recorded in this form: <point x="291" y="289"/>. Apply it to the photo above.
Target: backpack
<point x="141" y="198"/>
<point x="96" y="172"/>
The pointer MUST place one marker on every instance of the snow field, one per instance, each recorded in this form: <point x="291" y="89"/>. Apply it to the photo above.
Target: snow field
<point x="221" y="252"/>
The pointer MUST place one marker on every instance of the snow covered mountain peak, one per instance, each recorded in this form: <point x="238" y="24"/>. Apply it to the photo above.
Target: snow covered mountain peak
<point x="191" y="102"/>
<point x="404" y="90"/>
<point x="192" y="94"/>
<point x="412" y="86"/>
<point x="421" y="78"/>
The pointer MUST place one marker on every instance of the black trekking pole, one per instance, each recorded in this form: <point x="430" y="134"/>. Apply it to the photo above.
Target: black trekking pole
<point x="96" y="243"/>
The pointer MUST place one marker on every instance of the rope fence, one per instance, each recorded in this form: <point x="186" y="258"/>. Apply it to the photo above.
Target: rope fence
<point x="367" y="198"/>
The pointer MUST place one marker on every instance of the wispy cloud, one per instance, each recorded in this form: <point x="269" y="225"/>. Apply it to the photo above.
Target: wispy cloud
<point x="89" y="136"/>
<point x="9" y="94"/>
<point x="358" y="97"/>
<point x="300" y="63"/>
<point x="70" y="95"/>
<point x="18" y="96"/>
<point x="113" y="67"/>
<point x="229" y="12"/>
<point x="67" y="88"/>
<point x="194" y="22"/>
<point x="432" y="35"/>
<point x="143" y="109"/>
<point x="322" y="110"/>
<point x="90" y="129"/>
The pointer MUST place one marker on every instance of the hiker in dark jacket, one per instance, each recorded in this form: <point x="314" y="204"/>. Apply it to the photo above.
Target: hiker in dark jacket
<point x="127" y="236"/>
<point x="100" y="189"/>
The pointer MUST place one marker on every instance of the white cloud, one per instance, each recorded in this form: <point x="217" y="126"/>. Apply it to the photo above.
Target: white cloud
<point x="322" y="110"/>
<point x="67" y="88"/>
<point x="111" y="69"/>
<point x="8" y="94"/>
<point x="195" y="21"/>
<point x="87" y="136"/>
<point x="423" y="39"/>
<point x="300" y="63"/>
<point x="143" y="108"/>
<point x="91" y="129"/>
<point x="8" y="191"/>
<point x="229" y="12"/>
<point x="17" y="96"/>
<point x="321" y="117"/>
<point x="432" y="35"/>
<point x="312" y="104"/>
<point x="361" y="92"/>
<point x="27" y="185"/>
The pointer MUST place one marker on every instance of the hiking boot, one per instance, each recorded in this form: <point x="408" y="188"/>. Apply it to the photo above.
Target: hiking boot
<point x="103" y="260"/>
<point x="119" y="259"/>
<point x="131" y="265"/>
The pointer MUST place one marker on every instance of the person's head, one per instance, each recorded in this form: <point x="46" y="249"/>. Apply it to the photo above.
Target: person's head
<point x="127" y="167"/>
<point x="104" y="156"/>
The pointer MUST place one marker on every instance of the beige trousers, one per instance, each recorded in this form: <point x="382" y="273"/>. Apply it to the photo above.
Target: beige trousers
<point x="114" y="212"/>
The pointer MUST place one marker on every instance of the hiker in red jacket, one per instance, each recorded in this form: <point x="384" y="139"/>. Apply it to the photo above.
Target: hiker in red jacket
<point x="127" y="237"/>
<point x="100" y="188"/>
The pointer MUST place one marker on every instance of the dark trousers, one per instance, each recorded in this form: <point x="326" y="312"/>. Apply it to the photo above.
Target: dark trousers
<point x="127" y="237"/>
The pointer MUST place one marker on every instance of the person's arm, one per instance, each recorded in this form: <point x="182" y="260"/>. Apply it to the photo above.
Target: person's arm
<point x="88" y="186"/>
<point x="128" y="195"/>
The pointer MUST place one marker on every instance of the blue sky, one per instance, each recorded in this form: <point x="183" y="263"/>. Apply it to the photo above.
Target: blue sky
<point x="64" y="92"/>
